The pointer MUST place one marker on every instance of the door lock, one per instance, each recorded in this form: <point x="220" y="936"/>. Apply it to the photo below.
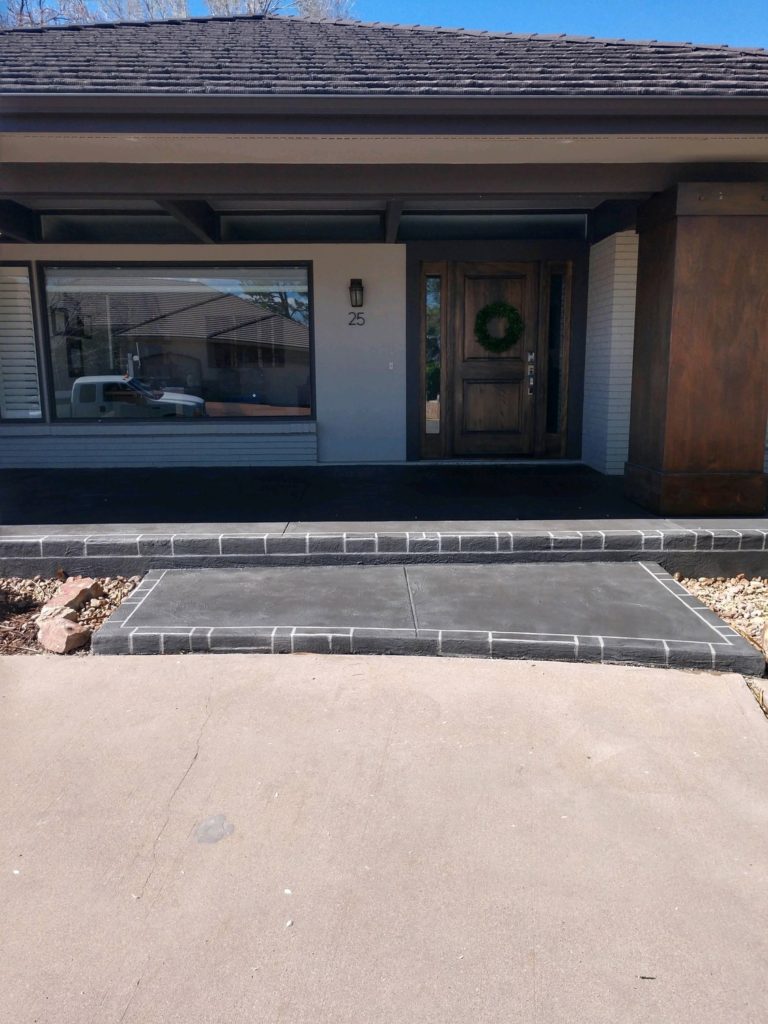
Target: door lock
<point x="531" y="372"/>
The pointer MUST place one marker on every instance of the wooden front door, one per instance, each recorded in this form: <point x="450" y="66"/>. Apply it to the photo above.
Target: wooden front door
<point x="493" y="393"/>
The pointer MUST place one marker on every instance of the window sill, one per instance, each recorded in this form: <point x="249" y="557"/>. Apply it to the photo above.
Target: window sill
<point x="136" y="427"/>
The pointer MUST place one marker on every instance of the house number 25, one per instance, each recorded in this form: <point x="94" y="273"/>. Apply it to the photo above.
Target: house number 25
<point x="356" y="319"/>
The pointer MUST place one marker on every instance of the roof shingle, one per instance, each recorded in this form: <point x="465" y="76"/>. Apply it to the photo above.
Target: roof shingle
<point x="262" y="56"/>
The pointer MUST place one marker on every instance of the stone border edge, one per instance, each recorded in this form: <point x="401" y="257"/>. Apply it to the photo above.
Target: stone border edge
<point x="413" y="542"/>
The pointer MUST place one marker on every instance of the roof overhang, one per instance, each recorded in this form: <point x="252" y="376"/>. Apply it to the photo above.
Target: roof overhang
<point x="382" y="148"/>
<point x="72" y="163"/>
<point x="374" y="114"/>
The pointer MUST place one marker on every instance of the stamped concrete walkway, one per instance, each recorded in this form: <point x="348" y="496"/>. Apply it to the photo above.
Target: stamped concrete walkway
<point x="399" y="840"/>
<point x="112" y="521"/>
<point x="631" y="613"/>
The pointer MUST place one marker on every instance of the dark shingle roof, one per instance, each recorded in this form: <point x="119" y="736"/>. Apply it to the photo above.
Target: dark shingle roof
<point x="291" y="56"/>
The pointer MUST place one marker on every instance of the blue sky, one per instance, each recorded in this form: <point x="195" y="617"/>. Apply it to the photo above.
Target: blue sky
<point x="736" y="22"/>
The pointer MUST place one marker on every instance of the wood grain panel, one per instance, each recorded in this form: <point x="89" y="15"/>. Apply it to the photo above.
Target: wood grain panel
<point x="700" y="380"/>
<point x="653" y="317"/>
<point x="493" y="411"/>
<point x="718" y="367"/>
<point x="492" y="405"/>
<point x="731" y="199"/>
<point x="480" y="292"/>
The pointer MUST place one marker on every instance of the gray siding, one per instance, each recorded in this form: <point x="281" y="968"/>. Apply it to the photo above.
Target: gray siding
<point x="62" y="446"/>
<point x="608" y="358"/>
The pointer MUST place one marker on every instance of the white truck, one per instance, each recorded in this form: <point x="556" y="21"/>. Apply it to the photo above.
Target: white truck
<point x="115" y="397"/>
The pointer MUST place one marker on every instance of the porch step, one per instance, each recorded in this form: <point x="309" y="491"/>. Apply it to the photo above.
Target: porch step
<point x="633" y="613"/>
<point x="698" y="548"/>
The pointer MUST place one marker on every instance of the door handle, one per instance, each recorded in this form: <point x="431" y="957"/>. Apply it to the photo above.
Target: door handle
<point x="531" y="372"/>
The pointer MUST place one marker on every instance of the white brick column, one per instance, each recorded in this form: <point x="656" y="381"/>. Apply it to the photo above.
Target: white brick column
<point x="608" y="359"/>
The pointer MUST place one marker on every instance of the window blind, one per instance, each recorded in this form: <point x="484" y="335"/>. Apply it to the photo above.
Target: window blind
<point x="19" y="382"/>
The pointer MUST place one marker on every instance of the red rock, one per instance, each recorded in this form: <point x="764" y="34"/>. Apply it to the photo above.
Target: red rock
<point x="53" y="611"/>
<point x="75" y="592"/>
<point x="60" y="635"/>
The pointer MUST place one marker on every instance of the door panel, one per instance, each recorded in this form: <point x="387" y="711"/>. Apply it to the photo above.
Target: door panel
<point x="491" y="405"/>
<point x="493" y="411"/>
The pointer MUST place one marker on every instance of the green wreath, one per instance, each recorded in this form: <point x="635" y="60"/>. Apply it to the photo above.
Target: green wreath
<point x="498" y="311"/>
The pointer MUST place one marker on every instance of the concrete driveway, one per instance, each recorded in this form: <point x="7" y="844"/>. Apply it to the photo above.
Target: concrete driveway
<point x="320" y="840"/>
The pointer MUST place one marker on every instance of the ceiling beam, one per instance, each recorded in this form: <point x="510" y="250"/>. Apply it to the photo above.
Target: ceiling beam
<point x="392" y="219"/>
<point x="196" y="216"/>
<point x="18" y="222"/>
<point x="610" y="217"/>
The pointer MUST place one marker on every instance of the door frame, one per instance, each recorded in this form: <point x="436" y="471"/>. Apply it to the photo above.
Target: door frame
<point x="545" y="442"/>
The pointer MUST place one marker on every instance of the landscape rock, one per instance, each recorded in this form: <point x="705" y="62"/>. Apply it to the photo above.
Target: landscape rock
<point x="60" y="635"/>
<point x="75" y="592"/>
<point x="25" y="603"/>
<point x="56" y="612"/>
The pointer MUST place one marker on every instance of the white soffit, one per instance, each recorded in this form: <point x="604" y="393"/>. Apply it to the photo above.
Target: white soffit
<point x="51" y="147"/>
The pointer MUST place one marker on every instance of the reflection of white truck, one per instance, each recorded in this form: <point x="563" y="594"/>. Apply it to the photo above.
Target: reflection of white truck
<point x="116" y="397"/>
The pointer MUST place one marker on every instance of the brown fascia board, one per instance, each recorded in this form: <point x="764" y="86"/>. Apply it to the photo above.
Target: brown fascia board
<point x="200" y="182"/>
<point x="137" y="112"/>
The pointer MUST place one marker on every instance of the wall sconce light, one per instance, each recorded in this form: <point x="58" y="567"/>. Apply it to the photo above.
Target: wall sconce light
<point x="356" y="293"/>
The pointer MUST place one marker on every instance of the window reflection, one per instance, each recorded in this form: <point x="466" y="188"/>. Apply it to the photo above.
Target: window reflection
<point x="148" y="343"/>
<point x="432" y="353"/>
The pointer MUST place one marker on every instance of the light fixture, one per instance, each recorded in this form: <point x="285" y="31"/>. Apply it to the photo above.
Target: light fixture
<point x="356" y="293"/>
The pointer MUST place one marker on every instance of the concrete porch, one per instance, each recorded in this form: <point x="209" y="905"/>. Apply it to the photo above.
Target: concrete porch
<point x="418" y="493"/>
<point x="134" y="520"/>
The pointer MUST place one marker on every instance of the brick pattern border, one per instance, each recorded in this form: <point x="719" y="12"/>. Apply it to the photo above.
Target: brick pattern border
<point x="356" y="546"/>
<point x="728" y="651"/>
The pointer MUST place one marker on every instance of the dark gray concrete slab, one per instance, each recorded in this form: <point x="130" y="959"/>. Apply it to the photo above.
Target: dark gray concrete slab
<point x="131" y="520"/>
<point x="414" y="492"/>
<point x="121" y="548"/>
<point x="235" y="528"/>
<point x="622" y="600"/>
<point x="166" y="529"/>
<point x="477" y="525"/>
<point x="722" y="523"/>
<point x="630" y="613"/>
<point x="312" y="596"/>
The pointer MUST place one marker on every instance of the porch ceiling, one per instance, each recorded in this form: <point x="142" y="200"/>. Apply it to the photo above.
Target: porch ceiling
<point x="178" y="220"/>
<point x="243" y="206"/>
<point x="227" y="203"/>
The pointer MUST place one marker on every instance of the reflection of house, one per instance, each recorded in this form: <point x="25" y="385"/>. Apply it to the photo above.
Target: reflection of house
<point x="223" y="319"/>
<point x="221" y="346"/>
<point x="607" y="195"/>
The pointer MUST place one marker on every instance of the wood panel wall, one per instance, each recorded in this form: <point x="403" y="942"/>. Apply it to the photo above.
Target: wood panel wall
<point x="700" y="379"/>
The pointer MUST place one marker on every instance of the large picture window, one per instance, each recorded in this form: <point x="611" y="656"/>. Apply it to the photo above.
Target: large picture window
<point x="179" y="342"/>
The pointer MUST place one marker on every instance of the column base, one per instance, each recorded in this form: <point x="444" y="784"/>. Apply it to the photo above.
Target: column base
<point x="693" y="494"/>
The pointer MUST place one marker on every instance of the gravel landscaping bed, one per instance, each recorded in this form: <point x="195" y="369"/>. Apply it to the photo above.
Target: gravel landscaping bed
<point x="738" y="600"/>
<point x="22" y="599"/>
<point x="743" y="604"/>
